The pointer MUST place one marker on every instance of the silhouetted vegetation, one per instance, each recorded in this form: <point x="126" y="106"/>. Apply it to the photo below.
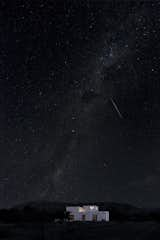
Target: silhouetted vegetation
<point x="29" y="214"/>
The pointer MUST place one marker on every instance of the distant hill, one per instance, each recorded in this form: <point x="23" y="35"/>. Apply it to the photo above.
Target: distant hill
<point x="42" y="205"/>
<point x="43" y="211"/>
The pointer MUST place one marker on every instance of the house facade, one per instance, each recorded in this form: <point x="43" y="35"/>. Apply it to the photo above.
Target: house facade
<point x="87" y="213"/>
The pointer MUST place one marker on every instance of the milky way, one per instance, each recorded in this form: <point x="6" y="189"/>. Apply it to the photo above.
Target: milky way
<point x="105" y="56"/>
<point x="80" y="101"/>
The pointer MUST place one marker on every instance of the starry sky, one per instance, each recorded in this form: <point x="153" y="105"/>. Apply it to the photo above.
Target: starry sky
<point x="79" y="101"/>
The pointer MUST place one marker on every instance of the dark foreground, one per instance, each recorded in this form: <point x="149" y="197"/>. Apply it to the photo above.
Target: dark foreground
<point x="75" y="231"/>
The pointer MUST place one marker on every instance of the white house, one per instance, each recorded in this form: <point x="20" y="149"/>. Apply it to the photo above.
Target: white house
<point x="87" y="213"/>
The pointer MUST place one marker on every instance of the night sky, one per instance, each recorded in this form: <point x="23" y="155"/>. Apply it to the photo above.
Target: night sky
<point x="80" y="101"/>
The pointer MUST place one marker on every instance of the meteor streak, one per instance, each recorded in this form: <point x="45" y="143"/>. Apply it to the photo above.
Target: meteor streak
<point x="116" y="108"/>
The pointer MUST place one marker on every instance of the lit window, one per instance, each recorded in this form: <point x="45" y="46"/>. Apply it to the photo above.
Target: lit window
<point x="94" y="218"/>
<point x="71" y="217"/>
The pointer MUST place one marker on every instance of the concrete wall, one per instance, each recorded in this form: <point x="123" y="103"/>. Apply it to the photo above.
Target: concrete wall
<point x="78" y="216"/>
<point x="103" y="216"/>
<point x="91" y="216"/>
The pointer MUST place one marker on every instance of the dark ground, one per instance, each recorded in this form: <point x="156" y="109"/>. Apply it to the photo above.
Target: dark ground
<point x="75" y="231"/>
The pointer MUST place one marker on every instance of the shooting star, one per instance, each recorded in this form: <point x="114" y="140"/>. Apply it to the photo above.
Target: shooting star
<point x="116" y="108"/>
